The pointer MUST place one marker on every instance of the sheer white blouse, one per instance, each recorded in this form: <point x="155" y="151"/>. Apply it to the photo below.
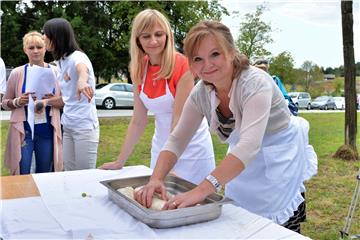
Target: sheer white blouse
<point x="256" y="102"/>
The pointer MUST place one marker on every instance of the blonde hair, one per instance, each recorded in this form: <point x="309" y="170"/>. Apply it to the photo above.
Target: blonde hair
<point x="146" y="20"/>
<point x="222" y="35"/>
<point x="33" y="37"/>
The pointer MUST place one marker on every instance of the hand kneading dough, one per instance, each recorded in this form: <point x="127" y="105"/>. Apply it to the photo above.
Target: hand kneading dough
<point x="156" y="204"/>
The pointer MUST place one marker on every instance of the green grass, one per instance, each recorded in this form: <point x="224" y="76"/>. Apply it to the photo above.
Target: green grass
<point x="328" y="194"/>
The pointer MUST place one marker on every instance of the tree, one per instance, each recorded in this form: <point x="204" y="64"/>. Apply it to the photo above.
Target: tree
<point x="254" y="34"/>
<point x="329" y="70"/>
<point x="282" y="66"/>
<point x="312" y="73"/>
<point x="102" y="28"/>
<point x="350" y="83"/>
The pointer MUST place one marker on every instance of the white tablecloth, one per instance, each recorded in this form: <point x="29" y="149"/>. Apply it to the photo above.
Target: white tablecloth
<point x="63" y="213"/>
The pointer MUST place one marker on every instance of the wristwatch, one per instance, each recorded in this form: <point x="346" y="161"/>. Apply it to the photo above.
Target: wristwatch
<point x="214" y="182"/>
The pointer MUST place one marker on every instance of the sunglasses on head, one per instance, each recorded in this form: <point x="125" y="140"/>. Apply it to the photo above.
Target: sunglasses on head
<point x="261" y="62"/>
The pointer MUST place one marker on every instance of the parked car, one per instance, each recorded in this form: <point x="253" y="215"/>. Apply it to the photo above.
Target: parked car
<point x="114" y="95"/>
<point x="340" y="102"/>
<point x="323" y="102"/>
<point x="301" y="99"/>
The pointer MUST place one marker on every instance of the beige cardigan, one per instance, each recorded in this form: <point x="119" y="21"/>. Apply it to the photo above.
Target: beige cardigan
<point x="16" y="132"/>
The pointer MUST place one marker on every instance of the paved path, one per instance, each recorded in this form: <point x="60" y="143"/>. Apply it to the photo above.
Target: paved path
<point x="5" y="115"/>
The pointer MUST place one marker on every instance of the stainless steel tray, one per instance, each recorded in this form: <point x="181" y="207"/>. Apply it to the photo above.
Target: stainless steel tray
<point x="210" y="209"/>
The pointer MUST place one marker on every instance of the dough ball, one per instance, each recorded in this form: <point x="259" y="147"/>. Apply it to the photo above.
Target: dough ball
<point x="157" y="204"/>
<point x="128" y="192"/>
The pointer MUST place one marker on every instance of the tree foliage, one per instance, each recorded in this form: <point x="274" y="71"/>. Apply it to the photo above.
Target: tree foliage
<point x="254" y="34"/>
<point x="312" y="73"/>
<point x="282" y="66"/>
<point x="102" y="28"/>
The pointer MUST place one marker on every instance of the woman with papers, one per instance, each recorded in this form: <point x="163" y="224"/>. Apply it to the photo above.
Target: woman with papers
<point x="29" y="131"/>
<point x="77" y="82"/>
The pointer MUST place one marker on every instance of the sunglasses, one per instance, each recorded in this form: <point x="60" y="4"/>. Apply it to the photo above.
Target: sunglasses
<point x="261" y="62"/>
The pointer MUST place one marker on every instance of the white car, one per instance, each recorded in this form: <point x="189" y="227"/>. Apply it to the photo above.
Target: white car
<point x="111" y="95"/>
<point x="340" y="102"/>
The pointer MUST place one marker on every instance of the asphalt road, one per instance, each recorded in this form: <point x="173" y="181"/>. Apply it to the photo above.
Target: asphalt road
<point x="5" y="115"/>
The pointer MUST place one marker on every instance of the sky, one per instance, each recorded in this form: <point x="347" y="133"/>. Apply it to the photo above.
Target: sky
<point x="308" y="29"/>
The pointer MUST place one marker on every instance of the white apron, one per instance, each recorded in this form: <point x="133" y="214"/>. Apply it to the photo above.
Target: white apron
<point x="197" y="161"/>
<point x="270" y="185"/>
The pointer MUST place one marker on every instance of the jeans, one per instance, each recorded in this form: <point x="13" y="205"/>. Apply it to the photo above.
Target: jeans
<point x="43" y="148"/>
<point x="80" y="148"/>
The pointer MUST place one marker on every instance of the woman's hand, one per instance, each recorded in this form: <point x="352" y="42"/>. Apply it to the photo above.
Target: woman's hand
<point x="24" y="99"/>
<point x="145" y="194"/>
<point x="48" y="96"/>
<point x="115" y="165"/>
<point x="186" y="199"/>
<point x="85" y="89"/>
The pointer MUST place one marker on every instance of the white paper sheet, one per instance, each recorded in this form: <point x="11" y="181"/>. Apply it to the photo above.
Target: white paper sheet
<point x="40" y="80"/>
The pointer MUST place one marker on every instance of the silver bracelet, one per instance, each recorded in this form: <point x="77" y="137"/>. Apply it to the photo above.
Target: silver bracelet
<point x="216" y="184"/>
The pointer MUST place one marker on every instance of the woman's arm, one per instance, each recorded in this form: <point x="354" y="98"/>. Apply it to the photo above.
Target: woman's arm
<point x="10" y="101"/>
<point x="253" y="126"/>
<point x="54" y="101"/>
<point x="179" y="138"/>
<point x="135" y="130"/>
<point x="229" y="168"/>
<point x="83" y="85"/>
<point x="10" y="93"/>
<point x="183" y="89"/>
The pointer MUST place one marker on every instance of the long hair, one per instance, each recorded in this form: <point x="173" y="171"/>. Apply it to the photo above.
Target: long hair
<point x="61" y="35"/>
<point x="222" y="35"/>
<point x="144" y="21"/>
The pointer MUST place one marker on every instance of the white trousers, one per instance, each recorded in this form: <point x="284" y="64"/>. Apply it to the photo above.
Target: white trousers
<point x="80" y="148"/>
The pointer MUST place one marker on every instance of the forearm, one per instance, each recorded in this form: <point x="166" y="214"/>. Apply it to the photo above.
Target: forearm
<point x="56" y="102"/>
<point x="229" y="168"/>
<point x="165" y="162"/>
<point x="10" y="104"/>
<point x="83" y="74"/>
<point x="184" y="131"/>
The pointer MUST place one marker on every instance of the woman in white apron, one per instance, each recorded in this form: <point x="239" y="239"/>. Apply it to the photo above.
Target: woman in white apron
<point x="263" y="171"/>
<point x="156" y="66"/>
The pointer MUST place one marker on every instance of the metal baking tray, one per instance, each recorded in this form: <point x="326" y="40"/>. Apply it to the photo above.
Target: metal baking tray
<point x="208" y="210"/>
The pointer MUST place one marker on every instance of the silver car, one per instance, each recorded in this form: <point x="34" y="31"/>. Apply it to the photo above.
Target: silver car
<point x="323" y="103"/>
<point x="111" y="95"/>
<point x="301" y="99"/>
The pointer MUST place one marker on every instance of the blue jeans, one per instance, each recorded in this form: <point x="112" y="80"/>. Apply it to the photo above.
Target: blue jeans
<point x="43" y="148"/>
